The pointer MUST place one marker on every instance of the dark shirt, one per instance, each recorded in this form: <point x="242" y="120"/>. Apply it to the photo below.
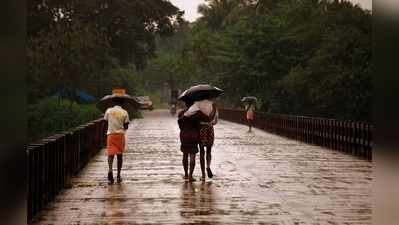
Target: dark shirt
<point x="190" y="127"/>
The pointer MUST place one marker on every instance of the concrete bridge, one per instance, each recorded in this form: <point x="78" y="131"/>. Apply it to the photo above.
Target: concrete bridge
<point x="260" y="178"/>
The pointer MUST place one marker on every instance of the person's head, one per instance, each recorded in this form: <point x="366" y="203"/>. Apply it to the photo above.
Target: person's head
<point x="118" y="101"/>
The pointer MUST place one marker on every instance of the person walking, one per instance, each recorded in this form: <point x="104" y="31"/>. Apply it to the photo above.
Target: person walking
<point x="118" y="121"/>
<point x="206" y="133"/>
<point x="250" y="108"/>
<point x="207" y="137"/>
<point x="190" y="138"/>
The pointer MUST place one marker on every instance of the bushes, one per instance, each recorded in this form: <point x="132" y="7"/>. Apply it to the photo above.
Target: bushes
<point x="52" y="115"/>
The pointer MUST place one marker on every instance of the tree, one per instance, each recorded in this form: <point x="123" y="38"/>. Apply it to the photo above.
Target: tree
<point x="214" y="12"/>
<point x="299" y="57"/>
<point x="75" y="44"/>
<point x="129" y="25"/>
<point x="64" y="57"/>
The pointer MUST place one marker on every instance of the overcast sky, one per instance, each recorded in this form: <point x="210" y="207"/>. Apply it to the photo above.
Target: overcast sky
<point x="190" y="7"/>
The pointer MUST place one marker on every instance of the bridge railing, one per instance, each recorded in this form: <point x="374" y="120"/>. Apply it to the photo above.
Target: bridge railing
<point x="351" y="137"/>
<point x="53" y="160"/>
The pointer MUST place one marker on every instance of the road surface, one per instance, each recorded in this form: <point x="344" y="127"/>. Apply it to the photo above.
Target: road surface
<point x="260" y="178"/>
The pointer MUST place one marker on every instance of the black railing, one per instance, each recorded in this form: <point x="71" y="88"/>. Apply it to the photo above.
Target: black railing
<point x="346" y="136"/>
<point x="53" y="160"/>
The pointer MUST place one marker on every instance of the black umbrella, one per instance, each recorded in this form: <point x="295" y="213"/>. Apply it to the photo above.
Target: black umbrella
<point x="130" y="104"/>
<point x="249" y="99"/>
<point x="200" y="92"/>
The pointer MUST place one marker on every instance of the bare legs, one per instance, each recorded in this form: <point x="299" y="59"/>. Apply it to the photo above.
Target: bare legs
<point x="208" y="161"/>
<point x="119" y="167"/>
<point x="185" y="165"/>
<point x="110" y="175"/>
<point x="202" y="161"/>
<point x="249" y="125"/>
<point x="119" y="162"/>
<point x="192" y="166"/>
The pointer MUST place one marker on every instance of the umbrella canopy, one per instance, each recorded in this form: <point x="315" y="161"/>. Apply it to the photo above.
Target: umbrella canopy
<point x="130" y="104"/>
<point x="249" y="99"/>
<point x="200" y="92"/>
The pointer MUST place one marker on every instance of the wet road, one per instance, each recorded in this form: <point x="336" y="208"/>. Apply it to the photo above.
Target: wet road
<point x="260" y="178"/>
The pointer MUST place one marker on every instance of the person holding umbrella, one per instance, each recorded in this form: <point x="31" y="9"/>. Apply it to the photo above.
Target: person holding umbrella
<point x="202" y="94"/>
<point x="189" y="138"/>
<point x="118" y="120"/>
<point x="250" y="103"/>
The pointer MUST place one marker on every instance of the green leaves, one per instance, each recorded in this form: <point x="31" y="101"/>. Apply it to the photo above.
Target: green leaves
<point x="299" y="57"/>
<point x="52" y="115"/>
<point x="75" y="44"/>
<point x="64" y="56"/>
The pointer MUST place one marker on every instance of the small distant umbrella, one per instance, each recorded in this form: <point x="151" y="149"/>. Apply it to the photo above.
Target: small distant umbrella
<point x="200" y="92"/>
<point x="130" y="103"/>
<point x="249" y="99"/>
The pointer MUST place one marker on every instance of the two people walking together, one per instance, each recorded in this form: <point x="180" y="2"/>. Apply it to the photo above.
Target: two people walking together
<point x="196" y="123"/>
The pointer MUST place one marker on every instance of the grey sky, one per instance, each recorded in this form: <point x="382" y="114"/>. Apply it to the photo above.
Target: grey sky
<point x="191" y="14"/>
<point x="367" y="4"/>
<point x="189" y="7"/>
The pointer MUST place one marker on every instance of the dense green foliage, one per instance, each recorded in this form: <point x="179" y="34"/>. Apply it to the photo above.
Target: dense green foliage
<point x="90" y="45"/>
<point x="302" y="57"/>
<point x="80" y="44"/>
<point x="52" y="115"/>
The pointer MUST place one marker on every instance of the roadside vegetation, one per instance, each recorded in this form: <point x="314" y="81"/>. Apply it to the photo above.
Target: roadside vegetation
<point x="91" y="46"/>
<point x="310" y="57"/>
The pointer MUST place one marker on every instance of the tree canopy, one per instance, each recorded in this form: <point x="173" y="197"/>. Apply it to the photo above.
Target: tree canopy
<point x="302" y="57"/>
<point x="77" y="43"/>
<point x="310" y="57"/>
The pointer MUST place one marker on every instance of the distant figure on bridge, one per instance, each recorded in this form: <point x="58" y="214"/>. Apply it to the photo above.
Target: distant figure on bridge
<point x="250" y="104"/>
<point x="190" y="137"/>
<point x="206" y="134"/>
<point x="118" y="120"/>
<point x="250" y="108"/>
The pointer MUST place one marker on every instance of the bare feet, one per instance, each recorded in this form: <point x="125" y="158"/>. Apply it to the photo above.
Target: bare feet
<point x="185" y="177"/>
<point x="209" y="172"/>
<point x="191" y="179"/>
<point x="110" y="178"/>
<point x="118" y="179"/>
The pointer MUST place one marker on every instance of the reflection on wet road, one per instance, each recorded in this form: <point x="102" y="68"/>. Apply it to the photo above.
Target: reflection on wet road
<point x="260" y="178"/>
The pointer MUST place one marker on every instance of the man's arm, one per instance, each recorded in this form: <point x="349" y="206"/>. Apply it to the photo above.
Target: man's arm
<point x="211" y="116"/>
<point x="126" y="122"/>
<point x="106" y="115"/>
<point x="203" y="117"/>
<point x="216" y="118"/>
